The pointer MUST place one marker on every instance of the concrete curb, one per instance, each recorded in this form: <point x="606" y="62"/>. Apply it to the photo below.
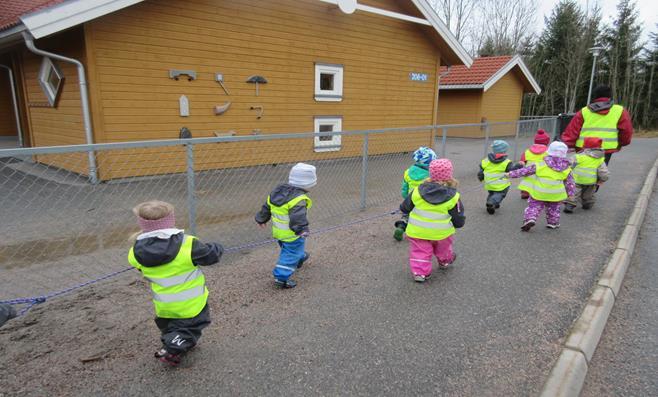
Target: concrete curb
<point x="568" y="374"/>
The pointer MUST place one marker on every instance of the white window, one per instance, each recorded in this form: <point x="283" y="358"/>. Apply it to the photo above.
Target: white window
<point x="50" y="78"/>
<point x="328" y="143"/>
<point x="328" y="82"/>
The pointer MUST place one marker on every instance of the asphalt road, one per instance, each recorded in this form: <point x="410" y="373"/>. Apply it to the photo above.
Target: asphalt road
<point x="356" y="324"/>
<point x="626" y="360"/>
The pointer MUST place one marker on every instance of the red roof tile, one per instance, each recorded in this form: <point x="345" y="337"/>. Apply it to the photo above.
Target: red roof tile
<point x="479" y="73"/>
<point x="11" y="10"/>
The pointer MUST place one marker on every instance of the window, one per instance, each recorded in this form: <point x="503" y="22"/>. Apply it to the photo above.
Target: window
<point x="328" y="143"/>
<point x="50" y="78"/>
<point x="328" y="82"/>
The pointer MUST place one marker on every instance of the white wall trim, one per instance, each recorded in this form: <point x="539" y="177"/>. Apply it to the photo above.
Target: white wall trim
<point x="515" y="61"/>
<point x="70" y="13"/>
<point x="462" y="87"/>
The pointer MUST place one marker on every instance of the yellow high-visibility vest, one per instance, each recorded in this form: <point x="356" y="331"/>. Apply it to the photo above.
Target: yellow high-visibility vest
<point x="494" y="175"/>
<point x="530" y="158"/>
<point x="430" y="221"/>
<point x="586" y="171"/>
<point x="281" y="218"/>
<point x="547" y="184"/>
<point x="602" y="126"/>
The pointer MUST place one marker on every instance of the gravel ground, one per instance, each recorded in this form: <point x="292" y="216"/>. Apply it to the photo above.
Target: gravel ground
<point x="626" y="359"/>
<point x="356" y="324"/>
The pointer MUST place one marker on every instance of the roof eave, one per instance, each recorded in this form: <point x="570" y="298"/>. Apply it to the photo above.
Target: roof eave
<point x="12" y="36"/>
<point x="461" y="87"/>
<point x="515" y="61"/>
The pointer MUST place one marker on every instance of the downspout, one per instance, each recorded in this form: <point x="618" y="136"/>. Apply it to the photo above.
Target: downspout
<point x="84" y="99"/>
<point x="14" y="98"/>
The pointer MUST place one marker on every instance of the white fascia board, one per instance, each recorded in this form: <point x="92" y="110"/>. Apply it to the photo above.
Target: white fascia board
<point x="515" y="61"/>
<point x="70" y="13"/>
<point x="461" y="87"/>
<point x="432" y="20"/>
<point x="12" y="35"/>
<point x="429" y="13"/>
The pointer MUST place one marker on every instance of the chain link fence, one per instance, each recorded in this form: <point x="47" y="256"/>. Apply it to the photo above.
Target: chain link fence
<point x="60" y="229"/>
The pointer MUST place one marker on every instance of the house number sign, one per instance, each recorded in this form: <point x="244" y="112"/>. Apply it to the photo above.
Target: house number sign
<point x="416" y="76"/>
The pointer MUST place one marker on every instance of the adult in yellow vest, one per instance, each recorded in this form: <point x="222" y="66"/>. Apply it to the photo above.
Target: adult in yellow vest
<point x="435" y="211"/>
<point x="589" y="171"/>
<point x="600" y="119"/>
<point x="534" y="154"/>
<point x="551" y="183"/>
<point x="287" y="207"/>
<point x="492" y="173"/>
<point x="168" y="259"/>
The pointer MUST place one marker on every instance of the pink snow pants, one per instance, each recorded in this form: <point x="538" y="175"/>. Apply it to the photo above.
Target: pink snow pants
<point x="421" y="251"/>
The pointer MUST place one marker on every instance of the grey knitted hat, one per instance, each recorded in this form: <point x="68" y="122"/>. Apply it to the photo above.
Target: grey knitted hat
<point x="303" y="175"/>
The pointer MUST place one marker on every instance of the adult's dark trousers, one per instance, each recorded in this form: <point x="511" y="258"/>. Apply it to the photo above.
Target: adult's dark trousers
<point x="607" y="158"/>
<point x="495" y="198"/>
<point x="179" y="335"/>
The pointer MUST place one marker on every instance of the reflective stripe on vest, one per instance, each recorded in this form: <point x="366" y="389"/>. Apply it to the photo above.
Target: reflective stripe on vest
<point x="430" y="221"/>
<point x="547" y="184"/>
<point x="411" y="182"/>
<point x="281" y="218"/>
<point x="178" y="287"/>
<point x="494" y="175"/>
<point x="602" y="126"/>
<point x="586" y="171"/>
<point x="530" y="158"/>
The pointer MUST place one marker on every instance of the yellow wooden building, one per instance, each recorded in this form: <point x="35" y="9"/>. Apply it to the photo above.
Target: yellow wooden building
<point x="153" y="67"/>
<point x="491" y="90"/>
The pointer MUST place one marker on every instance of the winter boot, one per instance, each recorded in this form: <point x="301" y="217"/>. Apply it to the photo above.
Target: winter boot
<point x="168" y="358"/>
<point x="444" y="265"/>
<point x="527" y="225"/>
<point x="303" y="260"/>
<point x="588" y="206"/>
<point x="568" y="208"/>
<point x="419" y="278"/>
<point x="491" y="209"/>
<point x="285" y="284"/>
<point x="552" y="226"/>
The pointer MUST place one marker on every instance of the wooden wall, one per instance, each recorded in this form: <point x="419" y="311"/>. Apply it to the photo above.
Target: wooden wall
<point x="60" y="125"/>
<point x="461" y="107"/>
<point x="7" y="118"/>
<point x="133" y="50"/>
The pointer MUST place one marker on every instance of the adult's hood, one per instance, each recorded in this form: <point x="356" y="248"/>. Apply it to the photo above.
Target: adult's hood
<point x="435" y="193"/>
<point x="557" y="163"/>
<point x="284" y="193"/>
<point x="601" y="105"/>
<point x="154" y="251"/>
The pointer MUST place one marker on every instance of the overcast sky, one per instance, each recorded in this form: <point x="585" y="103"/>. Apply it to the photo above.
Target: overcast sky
<point x="648" y="12"/>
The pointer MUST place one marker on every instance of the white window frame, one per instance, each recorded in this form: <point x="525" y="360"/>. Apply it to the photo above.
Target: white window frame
<point x="335" y="95"/>
<point x="334" y="144"/>
<point x="51" y="92"/>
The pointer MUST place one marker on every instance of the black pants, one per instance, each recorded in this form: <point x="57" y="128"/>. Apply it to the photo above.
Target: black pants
<point x="608" y="156"/>
<point x="495" y="198"/>
<point x="181" y="334"/>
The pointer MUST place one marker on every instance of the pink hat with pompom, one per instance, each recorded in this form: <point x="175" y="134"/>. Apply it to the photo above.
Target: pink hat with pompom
<point x="441" y="170"/>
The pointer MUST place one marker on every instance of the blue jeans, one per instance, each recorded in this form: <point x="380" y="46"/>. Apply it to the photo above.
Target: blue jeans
<point x="291" y="254"/>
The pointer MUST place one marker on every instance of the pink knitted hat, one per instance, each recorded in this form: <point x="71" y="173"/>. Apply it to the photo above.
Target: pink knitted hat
<point x="160" y="216"/>
<point x="441" y="170"/>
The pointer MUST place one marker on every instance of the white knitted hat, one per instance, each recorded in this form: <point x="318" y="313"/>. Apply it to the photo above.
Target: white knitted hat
<point x="303" y="175"/>
<point x="557" y="149"/>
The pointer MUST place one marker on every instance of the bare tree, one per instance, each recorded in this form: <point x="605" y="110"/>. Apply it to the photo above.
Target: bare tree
<point x="456" y="14"/>
<point x="505" y="26"/>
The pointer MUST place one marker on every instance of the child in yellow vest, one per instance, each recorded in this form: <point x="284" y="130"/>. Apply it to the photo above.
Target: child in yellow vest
<point x="534" y="154"/>
<point x="589" y="172"/>
<point x="434" y="211"/>
<point x="168" y="258"/>
<point x="492" y="173"/>
<point x="287" y="207"/>
<point x="551" y="183"/>
<point x="412" y="178"/>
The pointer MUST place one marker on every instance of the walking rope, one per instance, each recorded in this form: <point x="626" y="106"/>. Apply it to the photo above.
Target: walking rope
<point x="30" y="302"/>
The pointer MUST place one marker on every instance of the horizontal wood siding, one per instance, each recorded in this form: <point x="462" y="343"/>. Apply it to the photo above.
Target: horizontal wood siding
<point x="7" y="118"/>
<point x="134" y="49"/>
<point x="502" y="102"/>
<point x="461" y="107"/>
<point x="60" y="125"/>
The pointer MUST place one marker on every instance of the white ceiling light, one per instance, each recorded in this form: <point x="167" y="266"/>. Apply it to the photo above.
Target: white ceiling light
<point x="347" y="6"/>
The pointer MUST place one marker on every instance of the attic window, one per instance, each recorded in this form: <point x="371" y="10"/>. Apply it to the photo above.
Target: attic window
<point x="328" y="82"/>
<point x="328" y="143"/>
<point x="50" y="79"/>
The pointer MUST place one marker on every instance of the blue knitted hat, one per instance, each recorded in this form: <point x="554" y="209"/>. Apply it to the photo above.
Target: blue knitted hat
<point x="424" y="156"/>
<point x="499" y="146"/>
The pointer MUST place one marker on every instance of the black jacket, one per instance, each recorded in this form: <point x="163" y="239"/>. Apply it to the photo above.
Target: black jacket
<point x="151" y="252"/>
<point x="281" y="195"/>
<point x="435" y="193"/>
<point x="492" y="157"/>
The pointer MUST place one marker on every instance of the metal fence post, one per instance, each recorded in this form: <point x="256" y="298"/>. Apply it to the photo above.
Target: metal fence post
<point x="486" y="138"/>
<point x="516" y="139"/>
<point x="444" y="135"/>
<point x="364" y="171"/>
<point x="555" y="122"/>
<point x="191" y="195"/>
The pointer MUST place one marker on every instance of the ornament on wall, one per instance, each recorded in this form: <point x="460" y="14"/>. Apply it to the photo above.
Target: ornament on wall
<point x="185" y="133"/>
<point x="260" y="111"/>
<point x="184" y="105"/>
<point x="219" y="77"/>
<point x="255" y="79"/>
<point x="176" y="73"/>
<point x="221" y="109"/>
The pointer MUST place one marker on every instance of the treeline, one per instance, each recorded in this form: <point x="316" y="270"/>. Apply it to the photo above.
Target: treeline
<point x="560" y="57"/>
